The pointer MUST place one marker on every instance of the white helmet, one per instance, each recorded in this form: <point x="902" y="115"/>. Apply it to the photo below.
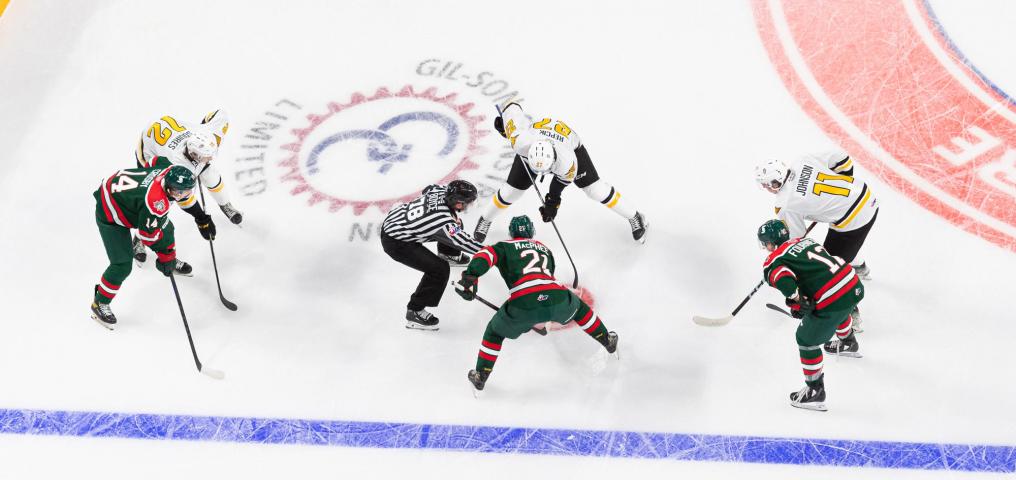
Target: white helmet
<point x="771" y="175"/>
<point x="541" y="156"/>
<point x="200" y="148"/>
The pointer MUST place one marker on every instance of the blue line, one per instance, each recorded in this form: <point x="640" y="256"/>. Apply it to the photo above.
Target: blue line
<point x="956" y="50"/>
<point x="539" y="441"/>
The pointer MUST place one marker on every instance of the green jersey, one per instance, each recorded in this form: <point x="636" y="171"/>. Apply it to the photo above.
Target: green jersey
<point x="526" y="265"/>
<point x="802" y="265"/>
<point x="135" y="198"/>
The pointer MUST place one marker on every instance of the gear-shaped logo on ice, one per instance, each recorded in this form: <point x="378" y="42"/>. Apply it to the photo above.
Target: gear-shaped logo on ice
<point x="382" y="149"/>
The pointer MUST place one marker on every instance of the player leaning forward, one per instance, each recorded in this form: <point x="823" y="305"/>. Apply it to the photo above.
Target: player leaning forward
<point x="823" y="290"/>
<point x="548" y="146"/>
<point x="431" y="217"/>
<point x="136" y="198"/>
<point x="527" y="267"/>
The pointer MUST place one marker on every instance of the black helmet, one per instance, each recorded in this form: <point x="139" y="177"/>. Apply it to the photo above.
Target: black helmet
<point x="460" y="191"/>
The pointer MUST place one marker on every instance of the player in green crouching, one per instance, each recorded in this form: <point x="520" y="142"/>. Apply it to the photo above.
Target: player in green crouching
<point x="821" y="290"/>
<point x="527" y="267"/>
<point x="137" y="198"/>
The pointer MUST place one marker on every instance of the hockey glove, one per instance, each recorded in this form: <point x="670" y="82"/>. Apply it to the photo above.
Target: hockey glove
<point x="206" y="227"/>
<point x="499" y="126"/>
<point x="166" y="262"/>
<point x="467" y="287"/>
<point x="800" y="306"/>
<point x="549" y="209"/>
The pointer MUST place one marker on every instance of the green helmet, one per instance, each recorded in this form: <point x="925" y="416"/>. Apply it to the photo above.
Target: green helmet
<point x="179" y="179"/>
<point x="521" y="227"/>
<point x="773" y="232"/>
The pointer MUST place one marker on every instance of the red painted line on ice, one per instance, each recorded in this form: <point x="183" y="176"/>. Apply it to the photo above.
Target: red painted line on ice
<point x="908" y="109"/>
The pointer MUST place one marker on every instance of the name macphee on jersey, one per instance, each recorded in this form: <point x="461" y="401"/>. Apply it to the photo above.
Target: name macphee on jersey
<point x="531" y="245"/>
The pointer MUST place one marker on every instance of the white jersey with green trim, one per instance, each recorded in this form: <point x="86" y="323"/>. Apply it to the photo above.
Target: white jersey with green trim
<point x="814" y="192"/>
<point x="166" y="137"/>
<point x="522" y="132"/>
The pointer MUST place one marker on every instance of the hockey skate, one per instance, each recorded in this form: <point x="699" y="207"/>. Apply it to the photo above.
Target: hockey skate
<point x="183" y="268"/>
<point x="846" y="347"/>
<point x="139" y="251"/>
<point x="231" y="213"/>
<point x="809" y="398"/>
<point x="421" y="320"/>
<point x="638" y="227"/>
<point x="862" y="271"/>
<point x="458" y="260"/>
<point x="478" y="379"/>
<point x="856" y="323"/>
<point x="103" y="315"/>
<point x="610" y="343"/>
<point x="482" y="227"/>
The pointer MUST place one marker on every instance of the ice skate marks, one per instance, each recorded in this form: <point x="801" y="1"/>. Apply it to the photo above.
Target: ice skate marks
<point x="920" y="117"/>
<point x="381" y="149"/>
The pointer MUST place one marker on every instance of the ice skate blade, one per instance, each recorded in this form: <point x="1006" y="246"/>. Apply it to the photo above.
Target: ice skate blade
<point x="417" y="326"/>
<point x="816" y="406"/>
<point x="104" y="324"/>
<point x="477" y="393"/>
<point x="846" y="354"/>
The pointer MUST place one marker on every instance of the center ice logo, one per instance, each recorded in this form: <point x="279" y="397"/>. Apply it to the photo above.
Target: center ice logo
<point x="382" y="149"/>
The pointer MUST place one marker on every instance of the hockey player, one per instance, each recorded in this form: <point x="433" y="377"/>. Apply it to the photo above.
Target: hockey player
<point x="821" y="290"/>
<point x="527" y="267"/>
<point x="195" y="146"/>
<point x="822" y="188"/>
<point x="431" y="217"/>
<point x="548" y="146"/>
<point x="137" y="198"/>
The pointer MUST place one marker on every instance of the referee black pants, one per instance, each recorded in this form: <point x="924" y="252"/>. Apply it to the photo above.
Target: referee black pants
<point x="416" y="256"/>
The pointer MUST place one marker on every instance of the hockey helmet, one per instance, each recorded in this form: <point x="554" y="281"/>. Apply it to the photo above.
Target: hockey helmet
<point x="200" y="148"/>
<point x="179" y="182"/>
<point x="541" y="156"/>
<point x="771" y="175"/>
<point x="460" y="191"/>
<point x="772" y="234"/>
<point x="521" y="227"/>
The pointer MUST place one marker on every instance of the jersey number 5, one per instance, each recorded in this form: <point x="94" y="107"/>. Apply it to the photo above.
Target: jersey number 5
<point x="537" y="262"/>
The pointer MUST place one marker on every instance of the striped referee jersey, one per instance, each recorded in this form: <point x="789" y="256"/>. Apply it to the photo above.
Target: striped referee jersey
<point x="426" y="219"/>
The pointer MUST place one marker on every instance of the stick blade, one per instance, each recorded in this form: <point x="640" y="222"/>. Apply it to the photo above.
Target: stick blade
<point x="216" y="374"/>
<point x="226" y="303"/>
<point x="712" y="322"/>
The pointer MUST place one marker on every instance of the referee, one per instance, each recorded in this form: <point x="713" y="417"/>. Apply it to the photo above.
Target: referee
<point x="433" y="216"/>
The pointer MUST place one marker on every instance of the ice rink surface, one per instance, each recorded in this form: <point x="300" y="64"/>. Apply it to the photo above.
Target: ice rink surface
<point x="675" y="101"/>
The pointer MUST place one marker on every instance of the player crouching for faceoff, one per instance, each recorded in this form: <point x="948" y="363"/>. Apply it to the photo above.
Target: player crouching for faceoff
<point x="527" y="267"/>
<point x="821" y="290"/>
<point x="137" y="198"/>
<point x="550" y="147"/>
<point x="433" y="216"/>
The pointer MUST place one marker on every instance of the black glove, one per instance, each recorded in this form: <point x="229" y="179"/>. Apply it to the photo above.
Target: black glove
<point x="468" y="286"/>
<point x="499" y="126"/>
<point x="800" y="307"/>
<point x="205" y="226"/>
<point x="166" y="267"/>
<point x="549" y="209"/>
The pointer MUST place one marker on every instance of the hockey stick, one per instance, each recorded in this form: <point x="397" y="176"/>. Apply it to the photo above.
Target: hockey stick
<point x="215" y="266"/>
<point x="216" y="374"/>
<point x="575" y="282"/>
<point x="718" y="322"/>
<point x="778" y="309"/>
<point x="541" y="331"/>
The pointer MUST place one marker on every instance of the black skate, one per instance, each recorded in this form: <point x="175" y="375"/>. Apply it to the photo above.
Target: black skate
<point x="638" y="227"/>
<point x="862" y="271"/>
<point x="421" y="320"/>
<point x="458" y="260"/>
<point x="609" y="342"/>
<point x="103" y="315"/>
<point x="482" y="226"/>
<point x="231" y="213"/>
<point x="183" y="268"/>
<point x="809" y="398"/>
<point x="140" y="254"/>
<point x="846" y="347"/>
<point x="478" y="379"/>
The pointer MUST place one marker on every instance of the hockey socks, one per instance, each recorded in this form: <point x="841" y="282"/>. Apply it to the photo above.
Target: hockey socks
<point x="811" y="362"/>
<point x="590" y="323"/>
<point x="490" y="348"/>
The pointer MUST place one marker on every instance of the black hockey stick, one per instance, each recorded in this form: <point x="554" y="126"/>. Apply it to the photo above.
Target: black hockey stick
<point x="575" y="282"/>
<point x="541" y="331"/>
<point x="778" y="309"/>
<point x="215" y="266"/>
<point x="716" y="322"/>
<point x="216" y="374"/>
